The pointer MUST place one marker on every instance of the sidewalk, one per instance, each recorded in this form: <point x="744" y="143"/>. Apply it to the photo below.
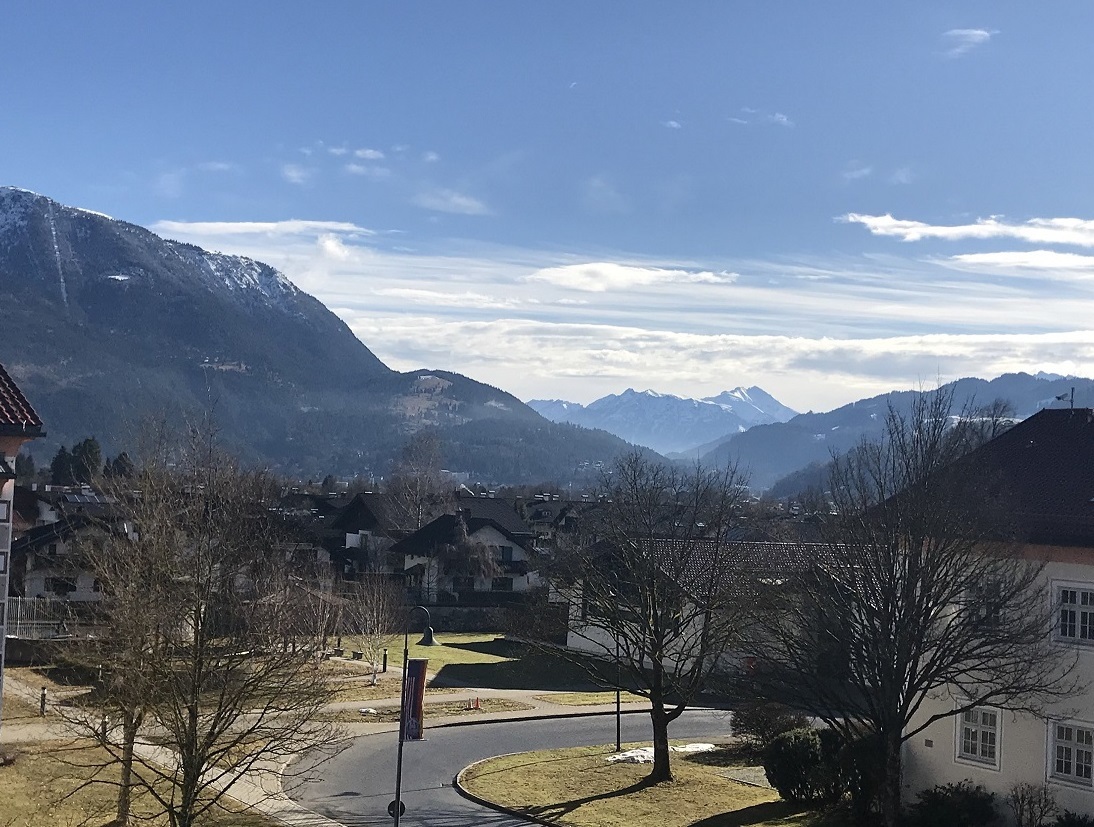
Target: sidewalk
<point x="262" y="789"/>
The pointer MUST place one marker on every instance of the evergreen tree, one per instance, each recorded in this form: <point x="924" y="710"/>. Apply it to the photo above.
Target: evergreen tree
<point x="87" y="459"/>
<point x="60" y="467"/>
<point x="24" y="467"/>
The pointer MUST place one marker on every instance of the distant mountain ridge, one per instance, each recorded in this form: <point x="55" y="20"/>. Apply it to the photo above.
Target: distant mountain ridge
<point x="771" y="452"/>
<point x="106" y="323"/>
<point x="667" y="423"/>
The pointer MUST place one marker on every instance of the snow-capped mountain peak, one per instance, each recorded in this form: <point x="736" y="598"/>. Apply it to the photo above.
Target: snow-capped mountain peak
<point x="668" y="423"/>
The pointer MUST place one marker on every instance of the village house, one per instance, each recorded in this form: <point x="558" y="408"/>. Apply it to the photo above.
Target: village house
<point x="1047" y="462"/>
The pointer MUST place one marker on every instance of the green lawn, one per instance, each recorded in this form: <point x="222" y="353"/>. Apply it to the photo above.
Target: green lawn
<point x="579" y="788"/>
<point x="490" y="661"/>
<point x="47" y="786"/>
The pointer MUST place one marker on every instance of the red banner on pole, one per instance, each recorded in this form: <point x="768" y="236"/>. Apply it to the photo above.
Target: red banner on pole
<point x="412" y="716"/>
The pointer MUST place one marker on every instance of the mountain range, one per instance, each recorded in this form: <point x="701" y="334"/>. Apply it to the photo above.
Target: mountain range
<point x="770" y="452"/>
<point x="106" y="324"/>
<point x="670" y="424"/>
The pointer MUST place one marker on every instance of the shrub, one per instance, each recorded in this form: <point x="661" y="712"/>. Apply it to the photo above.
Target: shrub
<point x="791" y="760"/>
<point x="758" y="724"/>
<point x="1070" y="819"/>
<point x="954" y="805"/>
<point x="1032" y="804"/>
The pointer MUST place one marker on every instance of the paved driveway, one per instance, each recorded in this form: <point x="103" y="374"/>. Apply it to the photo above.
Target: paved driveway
<point x="355" y="787"/>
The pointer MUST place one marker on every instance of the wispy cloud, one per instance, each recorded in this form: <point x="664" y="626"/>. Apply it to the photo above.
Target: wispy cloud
<point x="747" y="115"/>
<point x="813" y="331"/>
<point x="672" y="124"/>
<point x="337" y="151"/>
<point x="857" y="170"/>
<point x="270" y="229"/>
<point x="216" y="166"/>
<point x="450" y="201"/>
<point x="1041" y="260"/>
<point x="601" y="277"/>
<point x="903" y="175"/>
<point x="1074" y="231"/>
<point x="962" y="41"/>
<point x="430" y="157"/>
<point x="600" y="195"/>
<point x="369" y="154"/>
<point x="443" y="298"/>
<point x="295" y="173"/>
<point x="368" y="170"/>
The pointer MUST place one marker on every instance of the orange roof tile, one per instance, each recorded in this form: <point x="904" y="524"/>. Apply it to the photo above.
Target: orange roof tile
<point x="17" y="417"/>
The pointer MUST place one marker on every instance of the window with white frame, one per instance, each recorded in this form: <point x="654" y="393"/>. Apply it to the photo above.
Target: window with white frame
<point x="1076" y="614"/>
<point x="1072" y="755"/>
<point x="978" y="736"/>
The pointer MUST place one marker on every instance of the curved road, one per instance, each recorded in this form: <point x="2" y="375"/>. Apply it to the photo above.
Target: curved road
<point x="356" y="786"/>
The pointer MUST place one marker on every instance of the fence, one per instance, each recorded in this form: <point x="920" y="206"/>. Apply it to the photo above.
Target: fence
<point x="38" y="618"/>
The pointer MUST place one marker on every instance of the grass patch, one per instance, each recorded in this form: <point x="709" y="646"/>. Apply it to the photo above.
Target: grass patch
<point x="587" y="698"/>
<point x="385" y="690"/>
<point x="492" y="662"/>
<point x="434" y="710"/>
<point x="42" y="787"/>
<point x="579" y="788"/>
<point x="17" y="710"/>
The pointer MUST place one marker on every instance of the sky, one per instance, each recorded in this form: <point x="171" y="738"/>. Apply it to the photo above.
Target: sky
<point x="566" y="200"/>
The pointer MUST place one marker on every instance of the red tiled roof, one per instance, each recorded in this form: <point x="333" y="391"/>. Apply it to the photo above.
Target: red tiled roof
<point x="17" y="417"/>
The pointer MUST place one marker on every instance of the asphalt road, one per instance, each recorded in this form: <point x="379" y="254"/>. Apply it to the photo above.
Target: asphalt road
<point x="356" y="786"/>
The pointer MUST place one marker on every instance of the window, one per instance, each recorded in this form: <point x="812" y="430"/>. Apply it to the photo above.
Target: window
<point x="503" y="554"/>
<point x="1072" y="755"/>
<point x="978" y="736"/>
<point x="502" y="584"/>
<point x="5" y="511"/>
<point x="1076" y="617"/>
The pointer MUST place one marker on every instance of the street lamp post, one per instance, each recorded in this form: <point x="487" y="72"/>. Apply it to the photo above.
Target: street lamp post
<point x="427" y="640"/>
<point x="618" y="715"/>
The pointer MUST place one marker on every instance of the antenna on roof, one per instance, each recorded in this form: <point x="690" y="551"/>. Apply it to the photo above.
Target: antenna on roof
<point x="1064" y="396"/>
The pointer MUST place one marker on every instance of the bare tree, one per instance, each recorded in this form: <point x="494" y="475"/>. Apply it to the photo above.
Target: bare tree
<point x="416" y="488"/>
<point x="652" y="591"/>
<point x="207" y="672"/>
<point x="917" y="590"/>
<point x="373" y="613"/>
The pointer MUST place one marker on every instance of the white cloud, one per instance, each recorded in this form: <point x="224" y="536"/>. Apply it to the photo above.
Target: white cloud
<point x="601" y="276"/>
<point x="368" y="171"/>
<point x="1028" y="260"/>
<point x="269" y="229"/>
<point x="1074" y="231"/>
<point x="337" y="151"/>
<point x="216" y="166"/>
<point x="816" y="332"/>
<point x="749" y="116"/>
<point x="430" y="157"/>
<point x="672" y="124"/>
<point x="440" y="298"/>
<point x="855" y="171"/>
<point x="369" y="154"/>
<point x="450" y="201"/>
<point x="962" y="41"/>
<point x="295" y="174"/>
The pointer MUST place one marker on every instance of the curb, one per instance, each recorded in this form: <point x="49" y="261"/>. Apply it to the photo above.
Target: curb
<point x="457" y="785"/>
<point x="549" y="716"/>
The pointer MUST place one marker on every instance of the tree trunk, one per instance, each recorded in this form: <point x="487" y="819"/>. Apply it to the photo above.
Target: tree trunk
<point x="662" y="771"/>
<point x="130" y="723"/>
<point x="891" y="785"/>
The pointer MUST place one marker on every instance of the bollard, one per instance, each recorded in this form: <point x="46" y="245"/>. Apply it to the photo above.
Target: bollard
<point x="385" y="660"/>
<point x="42" y="704"/>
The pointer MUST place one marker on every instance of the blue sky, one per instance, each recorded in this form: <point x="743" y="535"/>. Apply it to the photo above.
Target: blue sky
<point x="569" y="199"/>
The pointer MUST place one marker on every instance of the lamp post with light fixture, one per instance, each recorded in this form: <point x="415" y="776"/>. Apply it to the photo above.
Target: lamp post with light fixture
<point x="396" y="808"/>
